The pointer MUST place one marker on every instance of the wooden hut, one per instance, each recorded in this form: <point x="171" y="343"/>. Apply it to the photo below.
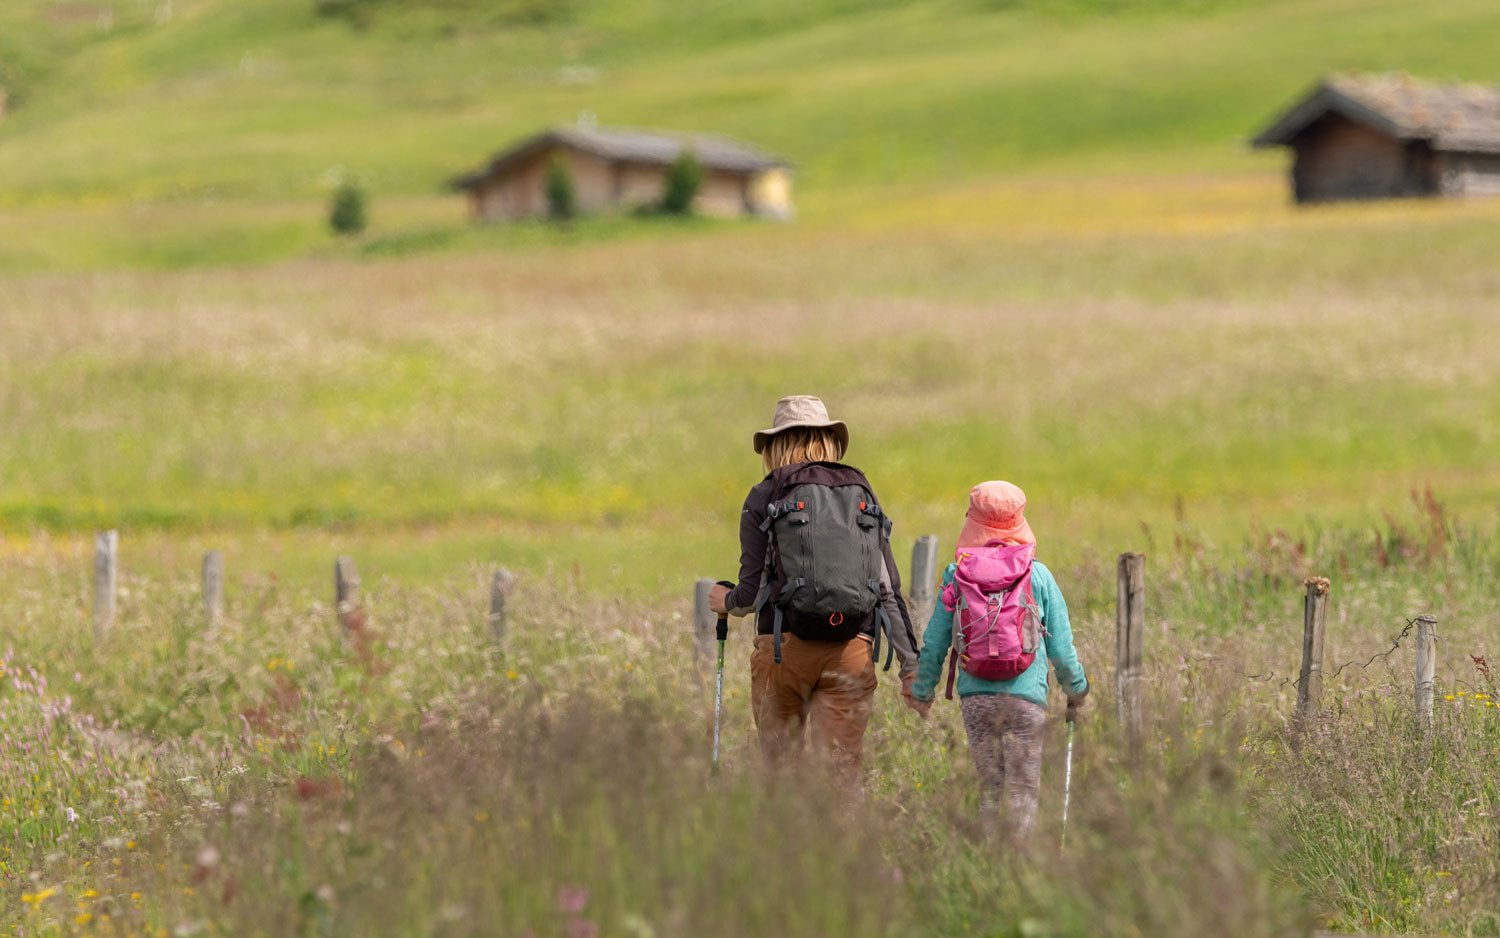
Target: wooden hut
<point x="1387" y="136"/>
<point x="615" y="169"/>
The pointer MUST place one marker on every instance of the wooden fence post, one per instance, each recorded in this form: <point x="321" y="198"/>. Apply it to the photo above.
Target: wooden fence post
<point x="1426" y="669"/>
<point x="106" y="559"/>
<point x="703" y="625"/>
<point x="346" y="593"/>
<point x="922" y="585"/>
<point x="1310" y="680"/>
<point x="1130" y="627"/>
<point x="213" y="587"/>
<point x="500" y="587"/>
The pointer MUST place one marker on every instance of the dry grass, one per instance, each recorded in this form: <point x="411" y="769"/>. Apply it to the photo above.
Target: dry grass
<point x="275" y="780"/>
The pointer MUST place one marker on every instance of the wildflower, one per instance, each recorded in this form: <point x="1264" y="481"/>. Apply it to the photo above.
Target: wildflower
<point x="572" y="899"/>
<point x="1447" y="696"/>
<point x="1445" y="873"/>
<point x="83" y="918"/>
<point x="510" y="675"/>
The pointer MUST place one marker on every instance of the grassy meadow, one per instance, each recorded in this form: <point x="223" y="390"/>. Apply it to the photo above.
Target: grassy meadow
<point x="1031" y="245"/>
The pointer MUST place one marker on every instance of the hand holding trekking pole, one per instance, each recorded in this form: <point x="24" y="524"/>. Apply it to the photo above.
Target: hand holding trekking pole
<point x="722" y="632"/>
<point x="1075" y="704"/>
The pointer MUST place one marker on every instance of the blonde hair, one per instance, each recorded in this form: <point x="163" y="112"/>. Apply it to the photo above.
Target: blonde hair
<point x="801" y="444"/>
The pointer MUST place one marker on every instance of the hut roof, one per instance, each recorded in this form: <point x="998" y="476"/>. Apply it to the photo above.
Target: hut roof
<point x="1455" y="118"/>
<point x="627" y="145"/>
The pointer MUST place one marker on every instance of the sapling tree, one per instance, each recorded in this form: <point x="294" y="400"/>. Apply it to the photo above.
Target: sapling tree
<point x="684" y="177"/>
<point x="346" y="214"/>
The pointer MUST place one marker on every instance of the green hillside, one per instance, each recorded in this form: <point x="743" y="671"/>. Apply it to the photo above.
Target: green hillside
<point x="226" y="121"/>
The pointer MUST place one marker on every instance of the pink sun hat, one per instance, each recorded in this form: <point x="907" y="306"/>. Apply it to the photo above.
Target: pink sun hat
<point x="997" y="511"/>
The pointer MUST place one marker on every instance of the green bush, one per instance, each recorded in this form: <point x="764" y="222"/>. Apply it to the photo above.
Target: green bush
<point x="361" y="14"/>
<point x="683" y="179"/>
<point x="561" y="204"/>
<point x="346" y="216"/>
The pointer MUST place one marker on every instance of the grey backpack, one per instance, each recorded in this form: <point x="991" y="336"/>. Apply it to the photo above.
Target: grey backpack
<point x="825" y="556"/>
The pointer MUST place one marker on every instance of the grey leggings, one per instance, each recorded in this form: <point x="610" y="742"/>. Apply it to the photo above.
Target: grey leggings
<point x="1005" y="738"/>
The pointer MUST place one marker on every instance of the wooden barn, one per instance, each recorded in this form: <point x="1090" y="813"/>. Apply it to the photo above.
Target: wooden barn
<point x="1388" y="136"/>
<point x="614" y="169"/>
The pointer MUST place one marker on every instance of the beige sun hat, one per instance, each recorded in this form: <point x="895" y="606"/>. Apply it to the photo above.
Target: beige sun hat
<point x="801" y="410"/>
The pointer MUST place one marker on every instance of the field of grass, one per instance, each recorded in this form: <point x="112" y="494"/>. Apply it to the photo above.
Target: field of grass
<point x="1031" y="246"/>
<point x="1248" y="394"/>
<point x="208" y="131"/>
<point x="416" y="778"/>
<point x="587" y="403"/>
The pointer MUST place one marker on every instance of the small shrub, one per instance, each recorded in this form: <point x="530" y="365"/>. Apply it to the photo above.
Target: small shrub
<point x="346" y="216"/>
<point x="357" y="13"/>
<point x="561" y="204"/>
<point x="683" y="179"/>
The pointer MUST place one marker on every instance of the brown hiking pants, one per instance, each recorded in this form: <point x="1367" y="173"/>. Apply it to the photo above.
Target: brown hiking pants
<point x="830" y="684"/>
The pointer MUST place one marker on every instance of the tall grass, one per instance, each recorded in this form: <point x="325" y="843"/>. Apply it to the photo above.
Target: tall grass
<point x="275" y="778"/>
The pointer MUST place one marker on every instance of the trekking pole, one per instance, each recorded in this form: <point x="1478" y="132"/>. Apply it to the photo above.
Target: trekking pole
<point x="1067" y="778"/>
<point x="722" y="631"/>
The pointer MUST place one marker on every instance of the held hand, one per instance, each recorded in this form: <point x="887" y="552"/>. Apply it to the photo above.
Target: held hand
<point x="716" y="597"/>
<point x="921" y="706"/>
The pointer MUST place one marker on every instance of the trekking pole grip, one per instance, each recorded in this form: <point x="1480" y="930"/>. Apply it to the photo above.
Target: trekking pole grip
<point x="722" y="629"/>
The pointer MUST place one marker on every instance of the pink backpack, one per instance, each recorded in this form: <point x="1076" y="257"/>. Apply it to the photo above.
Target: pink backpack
<point x="997" y="625"/>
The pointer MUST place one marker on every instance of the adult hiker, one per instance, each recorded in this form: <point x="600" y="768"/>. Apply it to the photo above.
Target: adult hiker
<point x="1011" y="621"/>
<point x="817" y="572"/>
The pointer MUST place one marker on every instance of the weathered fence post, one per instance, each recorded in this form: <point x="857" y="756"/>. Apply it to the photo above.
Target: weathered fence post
<point x="346" y="593"/>
<point x="106" y="557"/>
<point x="1130" y="628"/>
<point x="213" y="587"/>
<point x="921" y="586"/>
<point x="1310" y="680"/>
<point x="1426" y="669"/>
<point x="500" y="587"/>
<point x="703" y="625"/>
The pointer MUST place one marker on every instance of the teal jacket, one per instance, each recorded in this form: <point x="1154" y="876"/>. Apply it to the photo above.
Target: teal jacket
<point x="1057" y="647"/>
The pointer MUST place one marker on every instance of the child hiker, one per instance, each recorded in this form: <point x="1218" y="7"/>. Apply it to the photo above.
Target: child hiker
<point x="1011" y="622"/>
<point x="817" y="573"/>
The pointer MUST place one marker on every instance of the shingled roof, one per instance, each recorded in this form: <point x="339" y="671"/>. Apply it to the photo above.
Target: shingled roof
<point x="1453" y="118"/>
<point x="634" y="146"/>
